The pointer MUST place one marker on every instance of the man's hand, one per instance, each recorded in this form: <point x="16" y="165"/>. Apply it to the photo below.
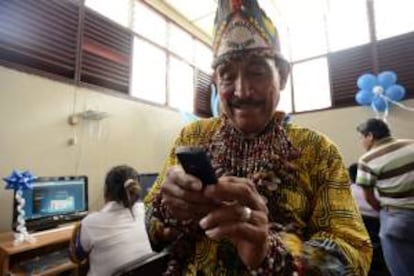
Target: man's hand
<point x="241" y="218"/>
<point x="183" y="195"/>
<point x="371" y="199"/>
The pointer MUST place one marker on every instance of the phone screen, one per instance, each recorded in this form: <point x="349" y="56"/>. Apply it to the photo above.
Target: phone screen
<point x="196" y="162"/>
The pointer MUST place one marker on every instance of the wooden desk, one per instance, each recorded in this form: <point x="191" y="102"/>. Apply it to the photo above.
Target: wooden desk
<point x="46" y="241"/>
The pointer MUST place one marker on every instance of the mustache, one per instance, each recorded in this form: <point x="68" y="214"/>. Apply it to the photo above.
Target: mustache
<point x="238" y="103"/>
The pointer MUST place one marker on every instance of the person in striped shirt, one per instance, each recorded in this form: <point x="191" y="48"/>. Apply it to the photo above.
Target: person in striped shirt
<point x="388" y="167"/>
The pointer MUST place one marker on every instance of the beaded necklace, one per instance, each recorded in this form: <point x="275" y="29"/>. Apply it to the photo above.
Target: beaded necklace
<point x="265" y="158"/>
<point x="232" y="153"/>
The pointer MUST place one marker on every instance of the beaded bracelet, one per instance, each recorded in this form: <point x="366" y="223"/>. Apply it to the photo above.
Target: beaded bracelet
<point x="277" y="261"/>
<point x="162" y="212"/>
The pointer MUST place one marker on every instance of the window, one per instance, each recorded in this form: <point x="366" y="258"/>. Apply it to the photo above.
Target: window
<point x="307" y="39"/>
<point x="148" y="72"/>
<point x="345" y="67"/>
<point x="311" y="85"/>
<point x="149" y="24"/>
<point x="305" y="26"/>
<point x="180" y="42"/>
<point x="117" y="11"/>
<point x="180" y="85"/>
<point x="39" y="36"/>
<point x="160" y="42"/>
<point x="347" y="23"/>
<point x="106" y="52"/>
<point x="393" y="17"/>
<point x="203" y="56"/>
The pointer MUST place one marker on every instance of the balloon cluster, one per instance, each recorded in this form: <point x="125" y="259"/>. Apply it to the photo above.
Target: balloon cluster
<point x="379" y="91"/>
<point x="20" y="181"/>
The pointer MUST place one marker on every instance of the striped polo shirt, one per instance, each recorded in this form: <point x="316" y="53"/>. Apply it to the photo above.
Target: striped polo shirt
<point x="389" y="166"/>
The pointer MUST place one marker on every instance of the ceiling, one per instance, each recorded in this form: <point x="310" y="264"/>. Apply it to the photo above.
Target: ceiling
<point x="201" y="12"/>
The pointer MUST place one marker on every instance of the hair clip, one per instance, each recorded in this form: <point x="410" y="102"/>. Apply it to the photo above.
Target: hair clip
<point x="128" y="182"/>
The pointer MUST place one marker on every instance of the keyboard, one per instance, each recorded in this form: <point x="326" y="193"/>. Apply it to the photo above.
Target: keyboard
<point x="45" y="262"/>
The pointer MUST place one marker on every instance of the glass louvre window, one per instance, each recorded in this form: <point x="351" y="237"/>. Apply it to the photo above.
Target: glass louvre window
<point x="307" y="39"/>
<point x="347" y="24"/>
<point x="285" y="47"/>
<point x="149" y="24"/>
<point x="180" y="42"/>
<point x="285" y="101"/>
<point x="305" y="27"/>
<point x="393" y="17"/>
<point x="116" y="10"/>
<point x="180" y="85"/>
<point x="203" y="57"/>
<point x="148" y="72"/>
<point x="311" y="85"/>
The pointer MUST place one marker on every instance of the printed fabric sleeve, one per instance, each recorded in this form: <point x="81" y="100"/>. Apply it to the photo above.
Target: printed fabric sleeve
<point x="335" y="240"/>
<point x="157" y="217"/>
<point x="77" y="252"/>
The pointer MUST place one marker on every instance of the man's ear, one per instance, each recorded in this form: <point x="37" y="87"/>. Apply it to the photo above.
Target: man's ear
<point x="370" y="137"/>
<point x="284" y="69"/>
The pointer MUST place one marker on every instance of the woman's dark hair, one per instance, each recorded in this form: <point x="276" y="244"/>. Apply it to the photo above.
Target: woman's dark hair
<point x="122" y="185"/>
<point x="352" y="171"/>
<point x="377" y="127"/>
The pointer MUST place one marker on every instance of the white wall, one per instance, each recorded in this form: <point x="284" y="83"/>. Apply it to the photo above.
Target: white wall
<point x="340" y="125"/>
<point x="35" y="132"/>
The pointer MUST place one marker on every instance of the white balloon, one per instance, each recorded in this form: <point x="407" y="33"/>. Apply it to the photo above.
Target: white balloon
<point x="378" y="90"/>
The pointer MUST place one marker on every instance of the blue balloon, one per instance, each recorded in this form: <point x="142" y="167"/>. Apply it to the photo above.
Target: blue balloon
<point x="364" y="97"/>
<point x="387" y="78"/>
<point x="395" y="92"/>
<point x="379" y="104"/>
<point x="367" y="81"/>
<point x="214" y="101"/>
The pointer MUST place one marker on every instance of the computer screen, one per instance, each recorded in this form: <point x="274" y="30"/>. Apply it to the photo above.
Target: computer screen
<point x="147" y="180"/>
<point x="55" y="200"/>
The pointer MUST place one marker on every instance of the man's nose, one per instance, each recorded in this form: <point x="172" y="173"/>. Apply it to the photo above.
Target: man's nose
<point x="242" y="86"/>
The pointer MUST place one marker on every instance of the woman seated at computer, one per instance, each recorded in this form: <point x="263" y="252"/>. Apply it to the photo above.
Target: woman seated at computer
<point x="116" y="234"/>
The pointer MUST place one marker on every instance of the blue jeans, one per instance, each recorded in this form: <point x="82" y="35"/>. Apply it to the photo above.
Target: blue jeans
<point x="397" y="240"/>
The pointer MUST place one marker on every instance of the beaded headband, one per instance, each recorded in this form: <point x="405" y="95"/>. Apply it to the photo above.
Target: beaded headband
<point x="240" y="26"/>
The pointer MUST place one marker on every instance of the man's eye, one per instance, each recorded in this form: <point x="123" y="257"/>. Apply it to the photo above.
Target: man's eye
<point x="227" y="76"/>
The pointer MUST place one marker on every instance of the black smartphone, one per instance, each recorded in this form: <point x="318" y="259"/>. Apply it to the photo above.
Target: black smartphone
<point x="196" y="162"/>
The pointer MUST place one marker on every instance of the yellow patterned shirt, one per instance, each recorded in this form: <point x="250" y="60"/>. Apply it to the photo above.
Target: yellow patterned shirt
<point x="333" y="238"/>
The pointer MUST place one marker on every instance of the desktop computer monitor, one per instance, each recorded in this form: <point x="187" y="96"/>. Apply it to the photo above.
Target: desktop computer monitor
<point x="147" y="180"/>
<point x="54" y="201"/>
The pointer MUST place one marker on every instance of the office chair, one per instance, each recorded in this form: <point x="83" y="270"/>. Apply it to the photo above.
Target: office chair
<point x="153" y="264"/>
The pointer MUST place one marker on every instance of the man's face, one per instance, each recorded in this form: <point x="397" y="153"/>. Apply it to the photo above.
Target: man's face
<point x="249" y="92"/>
<point x="367" y="141"/>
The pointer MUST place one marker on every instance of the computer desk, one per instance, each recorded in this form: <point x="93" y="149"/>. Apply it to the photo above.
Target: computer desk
<point x="48" y="241"/>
